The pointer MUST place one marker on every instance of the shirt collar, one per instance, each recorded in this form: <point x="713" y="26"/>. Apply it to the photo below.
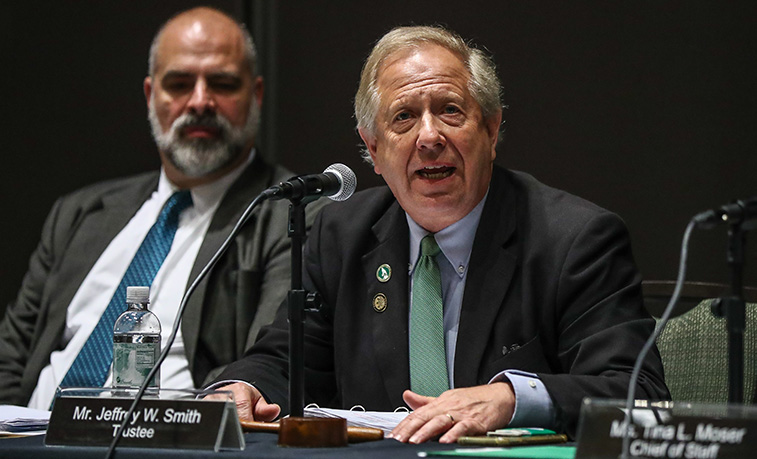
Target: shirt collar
<point x="455" y="241"/>
<point x="205" y="197"/>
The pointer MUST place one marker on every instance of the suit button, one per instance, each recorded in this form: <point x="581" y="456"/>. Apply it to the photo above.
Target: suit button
<point x="379" y="302"/>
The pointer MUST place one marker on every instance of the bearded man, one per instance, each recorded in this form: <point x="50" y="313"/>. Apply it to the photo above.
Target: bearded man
<point x="203" y="95"/>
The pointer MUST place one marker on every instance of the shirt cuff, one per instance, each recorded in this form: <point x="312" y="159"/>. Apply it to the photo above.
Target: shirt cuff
<point x="220" y="384"/>
<point x="533" y="405"/>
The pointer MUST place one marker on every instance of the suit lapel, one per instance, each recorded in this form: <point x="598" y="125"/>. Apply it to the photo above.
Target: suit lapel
<point x="390" y="327"/>
<point x="248" y="185"/>
<point x="98" y="223"/>
<point x="491" y="270"/>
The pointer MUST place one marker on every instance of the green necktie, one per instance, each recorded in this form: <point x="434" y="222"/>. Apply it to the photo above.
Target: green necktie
<point x="428" y="358"/>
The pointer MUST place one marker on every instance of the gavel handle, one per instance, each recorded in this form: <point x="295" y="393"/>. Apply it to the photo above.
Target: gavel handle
<point x="354" y="434"/>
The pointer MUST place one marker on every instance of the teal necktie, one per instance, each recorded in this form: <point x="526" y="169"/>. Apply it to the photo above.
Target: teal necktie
<point x="90" y="368"/>
<point x="428" y="358"/>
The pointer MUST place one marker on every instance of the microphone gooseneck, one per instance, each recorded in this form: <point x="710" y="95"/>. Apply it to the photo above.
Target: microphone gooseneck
<point x="635" y="373"/>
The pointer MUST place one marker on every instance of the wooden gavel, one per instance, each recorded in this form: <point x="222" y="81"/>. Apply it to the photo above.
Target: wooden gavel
<point x="354" y="434"/>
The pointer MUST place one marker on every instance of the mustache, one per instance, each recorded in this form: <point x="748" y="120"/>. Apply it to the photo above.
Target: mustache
<point x="210" y="120"/>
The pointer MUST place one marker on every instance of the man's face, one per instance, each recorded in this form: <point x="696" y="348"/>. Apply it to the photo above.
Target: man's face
<point x="432" y="146"/>
<point x="203" y="103"/>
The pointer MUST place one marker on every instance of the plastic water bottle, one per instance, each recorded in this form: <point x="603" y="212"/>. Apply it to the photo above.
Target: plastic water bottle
<point x="136" y="342"/>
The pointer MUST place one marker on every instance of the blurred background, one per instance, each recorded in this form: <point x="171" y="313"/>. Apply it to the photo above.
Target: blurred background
<point x="646" y="108"/>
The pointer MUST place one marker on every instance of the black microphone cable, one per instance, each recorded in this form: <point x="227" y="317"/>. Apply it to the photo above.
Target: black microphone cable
<point x="625" y="451"/>
<point x="221" y="250"/>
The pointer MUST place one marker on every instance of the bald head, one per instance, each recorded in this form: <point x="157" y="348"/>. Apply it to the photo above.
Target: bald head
<point x="203" y="24"/>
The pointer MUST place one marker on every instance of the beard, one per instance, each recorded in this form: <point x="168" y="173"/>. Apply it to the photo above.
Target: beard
<point x="197" y="157"/>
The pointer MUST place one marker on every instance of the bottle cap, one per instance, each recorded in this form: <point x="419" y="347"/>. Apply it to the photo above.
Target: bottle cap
<point x="137" y="294"/>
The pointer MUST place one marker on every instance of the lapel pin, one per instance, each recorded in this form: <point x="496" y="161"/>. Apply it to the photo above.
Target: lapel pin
<point x="384" y="273"/>
<point x="379" y="302"/>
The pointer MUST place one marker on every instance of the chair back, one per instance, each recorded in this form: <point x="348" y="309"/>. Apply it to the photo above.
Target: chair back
<point x="694" y="350"/>
<point x="694" y="345"/>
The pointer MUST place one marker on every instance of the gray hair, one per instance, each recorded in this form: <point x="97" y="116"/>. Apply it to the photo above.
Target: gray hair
<point x="484" y="85"/>
<point x="250" y="53"/>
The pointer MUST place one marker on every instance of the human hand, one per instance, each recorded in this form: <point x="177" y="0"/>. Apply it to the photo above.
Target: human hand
<point x="457" y="412"/>
<point x="251" y="405"/>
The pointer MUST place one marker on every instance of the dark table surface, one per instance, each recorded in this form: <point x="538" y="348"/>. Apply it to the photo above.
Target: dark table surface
<point x="258" y="445"/>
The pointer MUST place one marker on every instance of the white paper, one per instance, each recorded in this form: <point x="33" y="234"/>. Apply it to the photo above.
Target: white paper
<point x="383" y="420"/>
<point x="20" y="420"/>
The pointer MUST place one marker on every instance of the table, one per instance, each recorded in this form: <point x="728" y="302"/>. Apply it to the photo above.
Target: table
<point x="258" y="445"/>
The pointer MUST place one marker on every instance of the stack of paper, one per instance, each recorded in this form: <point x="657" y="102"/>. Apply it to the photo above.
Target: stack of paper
<point x="377" y="419"/>
<point x="19" y="420"/>
<point x="531" y="452"/>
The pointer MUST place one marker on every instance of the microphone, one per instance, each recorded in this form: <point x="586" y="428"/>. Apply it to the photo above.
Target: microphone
<point x="735" y="213"/>
<point x="338" y="182"/>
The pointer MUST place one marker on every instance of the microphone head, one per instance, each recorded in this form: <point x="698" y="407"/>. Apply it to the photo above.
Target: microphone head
<point x="347" y="181"/>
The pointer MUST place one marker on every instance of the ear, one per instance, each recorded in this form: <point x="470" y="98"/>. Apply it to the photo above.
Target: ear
<point x="147" y="88"/>
<point x="492" y="128"/>
<point x="257" y="89"/>
<point x="371" y="144"/>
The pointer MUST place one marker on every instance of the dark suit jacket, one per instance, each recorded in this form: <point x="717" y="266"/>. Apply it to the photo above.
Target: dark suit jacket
<point x="552" y="289"/>
<point x="221" y="319"/>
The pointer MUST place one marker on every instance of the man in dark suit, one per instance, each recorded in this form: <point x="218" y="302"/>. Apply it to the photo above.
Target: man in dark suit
<point x="540" y="295"/>
<point x="203" y="96"/>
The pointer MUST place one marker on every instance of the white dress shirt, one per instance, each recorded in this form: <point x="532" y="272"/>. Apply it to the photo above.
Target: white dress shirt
<point x="166" y="292"/>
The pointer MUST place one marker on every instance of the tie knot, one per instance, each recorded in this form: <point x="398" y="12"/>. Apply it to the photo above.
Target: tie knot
<point x="429" y="247"/>
<point x="175" y="205"/>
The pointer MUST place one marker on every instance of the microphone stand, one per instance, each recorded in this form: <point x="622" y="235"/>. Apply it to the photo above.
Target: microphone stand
<point x="733" y="308"/>
<point x="297" y="430"/>
<point x="296" y="309"/>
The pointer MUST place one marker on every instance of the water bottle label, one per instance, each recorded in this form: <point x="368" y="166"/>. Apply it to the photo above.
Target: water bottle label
<point x="132" y="363"/>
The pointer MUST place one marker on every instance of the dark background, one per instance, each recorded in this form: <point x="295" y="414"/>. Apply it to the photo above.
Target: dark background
<point x="646" y="108"/>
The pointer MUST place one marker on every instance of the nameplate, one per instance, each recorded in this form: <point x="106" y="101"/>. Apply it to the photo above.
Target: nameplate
<point x="155" y="423"/>
<point x="668" y="430"/>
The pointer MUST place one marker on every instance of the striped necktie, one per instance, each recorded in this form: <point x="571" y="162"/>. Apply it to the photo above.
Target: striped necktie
<point x="91" y="366"/>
